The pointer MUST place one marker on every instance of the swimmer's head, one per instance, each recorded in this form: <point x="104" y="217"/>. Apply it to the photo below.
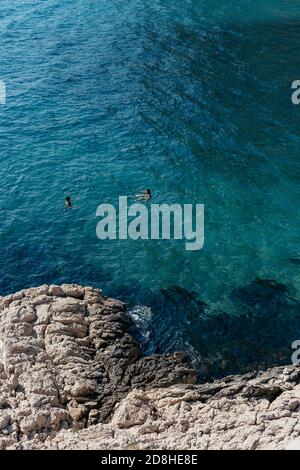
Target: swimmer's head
<point x="148" y="191"/>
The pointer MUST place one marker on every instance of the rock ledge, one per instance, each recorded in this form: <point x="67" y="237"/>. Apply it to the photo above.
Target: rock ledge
<point x="71" y="377"/>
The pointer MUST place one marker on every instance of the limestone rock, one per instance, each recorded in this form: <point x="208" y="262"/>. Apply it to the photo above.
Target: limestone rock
<point x="71" y="377"/>
<point x="66" y="359"/>
<point x="238" y="412"/>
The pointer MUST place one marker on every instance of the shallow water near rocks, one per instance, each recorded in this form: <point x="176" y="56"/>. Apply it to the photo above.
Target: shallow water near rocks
<point x="191" y="99"/>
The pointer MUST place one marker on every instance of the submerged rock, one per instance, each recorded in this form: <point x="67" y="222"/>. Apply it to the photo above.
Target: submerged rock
<point x="253" y="329"/>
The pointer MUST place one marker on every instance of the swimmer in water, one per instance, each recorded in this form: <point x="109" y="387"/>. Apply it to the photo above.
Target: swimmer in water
<point x="68" y="202"/>
<point x="145" y="196"/>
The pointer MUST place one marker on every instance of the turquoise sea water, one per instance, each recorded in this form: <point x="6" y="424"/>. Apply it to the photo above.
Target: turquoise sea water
<point x="190" y="98"/>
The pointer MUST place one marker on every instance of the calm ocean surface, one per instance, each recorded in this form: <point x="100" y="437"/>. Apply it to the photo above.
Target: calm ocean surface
<point x="190" y="98"/>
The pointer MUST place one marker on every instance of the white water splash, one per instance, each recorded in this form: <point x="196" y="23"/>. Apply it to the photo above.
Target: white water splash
<point x="142" y="315"/>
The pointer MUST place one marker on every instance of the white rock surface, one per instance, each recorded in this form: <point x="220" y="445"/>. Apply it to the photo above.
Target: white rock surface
<point x="71" y="378"/>
<point x="66" y="359"/>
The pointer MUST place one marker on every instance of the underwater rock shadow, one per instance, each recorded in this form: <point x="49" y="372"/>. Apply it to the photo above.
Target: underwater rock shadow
<point x="257" y="333"/>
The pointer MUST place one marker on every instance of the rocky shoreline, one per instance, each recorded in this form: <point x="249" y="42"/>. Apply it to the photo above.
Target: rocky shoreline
<point x="72" y="377"/>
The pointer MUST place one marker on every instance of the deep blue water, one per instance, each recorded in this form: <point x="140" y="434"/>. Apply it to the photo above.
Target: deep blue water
<point x="190" y="98"/>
